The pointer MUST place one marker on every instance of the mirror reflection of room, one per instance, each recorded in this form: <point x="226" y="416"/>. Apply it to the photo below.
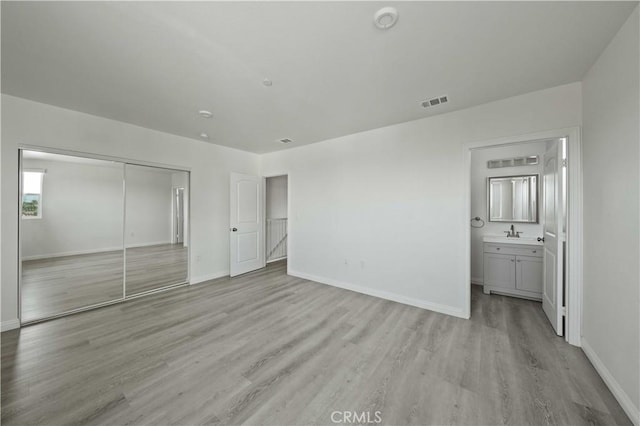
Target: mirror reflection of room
<point x="155" y="231"/>
<point x="96" y="231"/>
<point x="72" y="222"/>
<point x="513" y="199"/>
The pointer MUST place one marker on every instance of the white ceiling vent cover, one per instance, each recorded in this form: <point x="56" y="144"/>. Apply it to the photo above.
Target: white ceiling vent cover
<point x="285" y="140"/>
<point x="439" y="100"/>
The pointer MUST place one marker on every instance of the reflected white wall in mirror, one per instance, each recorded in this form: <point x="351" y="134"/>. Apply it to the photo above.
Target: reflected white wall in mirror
<point x="513" y="198"/>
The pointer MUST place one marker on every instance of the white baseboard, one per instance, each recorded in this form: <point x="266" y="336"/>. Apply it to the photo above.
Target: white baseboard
<point x="10" y="324"/>
<point x="71" y="253"/>
<point x="477" y="281"/>
<point x="275" y="260"/>
<point x="91" y="251"/>
<point x="443" y="309"/>
<point x="623" y="399"/>
<point x="208" y="277"/>
<point x="155" y="243"/>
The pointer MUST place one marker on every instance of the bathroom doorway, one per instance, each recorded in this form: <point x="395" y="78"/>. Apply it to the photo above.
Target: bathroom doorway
<point x="524" y="240"/>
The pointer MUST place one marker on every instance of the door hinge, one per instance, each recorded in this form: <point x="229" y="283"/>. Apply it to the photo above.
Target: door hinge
<point x="563" y="311"/>
<point x="565" y="163"/>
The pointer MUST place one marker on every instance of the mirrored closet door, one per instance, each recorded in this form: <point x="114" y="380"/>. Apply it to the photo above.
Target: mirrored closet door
<point x="94" y="232"/>
<point x="155" y="241"/>
<point x="71" y="233"/>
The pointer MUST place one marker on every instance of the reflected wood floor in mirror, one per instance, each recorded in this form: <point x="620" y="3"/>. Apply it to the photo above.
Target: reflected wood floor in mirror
<point x="267" y="348"/>
<point x="153" y="267"/>
<point x="58" y="284"/>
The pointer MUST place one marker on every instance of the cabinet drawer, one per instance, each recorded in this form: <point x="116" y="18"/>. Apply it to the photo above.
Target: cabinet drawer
<point x="514" y="250"/>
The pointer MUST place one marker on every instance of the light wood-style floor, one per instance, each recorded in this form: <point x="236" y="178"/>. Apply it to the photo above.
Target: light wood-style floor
<point x="267" y="348"/>
<point x="59" y="284"/>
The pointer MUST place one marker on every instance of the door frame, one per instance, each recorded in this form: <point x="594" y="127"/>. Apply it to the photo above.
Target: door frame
<point x="264" y="202"/>
<point x="174" y="209"/>
<point x="573" y="265"/>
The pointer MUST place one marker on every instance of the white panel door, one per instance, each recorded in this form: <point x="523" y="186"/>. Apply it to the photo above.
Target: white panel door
<point x="552" y="290"/>
<point x="246" y="245"/>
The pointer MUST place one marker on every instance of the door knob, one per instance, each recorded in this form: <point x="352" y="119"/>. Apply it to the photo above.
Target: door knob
<point x="234" y="229"/>
<point x="541" y="239"/>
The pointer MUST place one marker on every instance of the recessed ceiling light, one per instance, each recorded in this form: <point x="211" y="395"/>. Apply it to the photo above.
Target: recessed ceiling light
<point x="205" y="114"/>
<point x="386" y="18"/>
<point x="204" y="135"/>
<point x="267" y="82"/>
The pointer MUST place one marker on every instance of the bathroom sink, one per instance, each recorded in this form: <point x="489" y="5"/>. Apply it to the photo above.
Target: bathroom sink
<point x="501" y="239"/>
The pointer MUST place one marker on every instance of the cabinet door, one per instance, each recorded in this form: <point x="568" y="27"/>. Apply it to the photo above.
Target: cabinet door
<point x="499" y="270"/>
<point x="529" y="273"/>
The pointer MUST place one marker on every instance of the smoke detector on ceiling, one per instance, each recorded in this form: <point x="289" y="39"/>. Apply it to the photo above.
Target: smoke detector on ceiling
<point x="435" y="101"/>
<point x="285" y="140"/>
<point x="385" y="18"/>
<point x="205" y="114"/>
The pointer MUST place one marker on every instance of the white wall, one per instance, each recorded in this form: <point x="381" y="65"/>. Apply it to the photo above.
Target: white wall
<point x="382" y="211"/>
<point x="479" y="175"/>
<point x="82" y="208"/>
<point x="611" y="134"/>
<point x="276" y="188"/>
<point x="149" y="206"/>
<point x="27" y="122"/>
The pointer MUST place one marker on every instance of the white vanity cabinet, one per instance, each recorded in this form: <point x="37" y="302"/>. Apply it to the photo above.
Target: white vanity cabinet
<point x="513" y="269"/>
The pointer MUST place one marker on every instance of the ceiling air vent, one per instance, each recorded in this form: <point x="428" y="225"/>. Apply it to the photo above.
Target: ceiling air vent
<point x="435" y="101"/>
<point x="285" y="140"/>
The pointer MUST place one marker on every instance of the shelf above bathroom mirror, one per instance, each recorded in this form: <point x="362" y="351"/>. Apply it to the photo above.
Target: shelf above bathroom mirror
<point x="513" y="199"/>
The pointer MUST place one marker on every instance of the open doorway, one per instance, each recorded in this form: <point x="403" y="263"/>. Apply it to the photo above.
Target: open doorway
<point x="524" y="233"/>
<point x="276" y="190"/>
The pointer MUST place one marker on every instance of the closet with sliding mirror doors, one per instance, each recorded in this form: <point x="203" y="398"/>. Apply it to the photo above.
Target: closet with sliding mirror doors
<point x="96" y="231"/>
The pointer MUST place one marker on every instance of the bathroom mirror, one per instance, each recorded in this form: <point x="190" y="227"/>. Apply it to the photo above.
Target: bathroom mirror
<point x="513" y="198"/>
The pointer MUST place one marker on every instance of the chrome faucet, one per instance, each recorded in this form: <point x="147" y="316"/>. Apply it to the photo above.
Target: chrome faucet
<point x="511" y="233"/>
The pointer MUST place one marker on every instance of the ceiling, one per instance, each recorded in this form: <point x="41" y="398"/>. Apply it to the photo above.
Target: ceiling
<point x="155" y="64"/>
